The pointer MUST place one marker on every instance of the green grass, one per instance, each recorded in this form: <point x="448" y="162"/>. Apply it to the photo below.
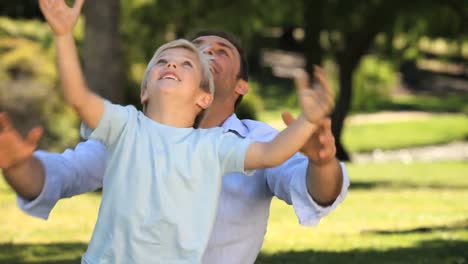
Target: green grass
<point x="423" y="131"/>
<point x="429" y="103"/>
<point x="436" y="129"/>
<point x="394" y="213"/>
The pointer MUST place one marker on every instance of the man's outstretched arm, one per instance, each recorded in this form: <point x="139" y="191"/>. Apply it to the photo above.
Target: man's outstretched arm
<point x="23" y="172"/>
<point x="42" y="178"/>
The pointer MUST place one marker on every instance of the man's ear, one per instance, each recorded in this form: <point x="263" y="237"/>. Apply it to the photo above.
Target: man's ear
<point x="242" y="87"/>
<point x="144" y="96"/>
<point x="205" y="100"/>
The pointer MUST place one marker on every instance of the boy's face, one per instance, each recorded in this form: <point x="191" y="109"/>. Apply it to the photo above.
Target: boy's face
<point x="177" y="72"/>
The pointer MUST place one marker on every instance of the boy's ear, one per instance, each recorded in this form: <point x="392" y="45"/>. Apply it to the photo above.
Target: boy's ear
<point x="242" y="87"/>
<point x="144" y="96"/>
<point x="205" y="100"/>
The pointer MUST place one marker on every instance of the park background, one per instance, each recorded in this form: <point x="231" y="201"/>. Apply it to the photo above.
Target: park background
<point x="401" y="118"/>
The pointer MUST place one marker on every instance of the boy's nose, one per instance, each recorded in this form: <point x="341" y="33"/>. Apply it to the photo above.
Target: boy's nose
<point x="171" y="65"/>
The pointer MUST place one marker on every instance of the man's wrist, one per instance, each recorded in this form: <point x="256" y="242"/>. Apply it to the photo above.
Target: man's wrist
<point x="17" y="164"/>
<point x="322" y="163"/>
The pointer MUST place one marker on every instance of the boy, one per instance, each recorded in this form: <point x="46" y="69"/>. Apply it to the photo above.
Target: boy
<point x="163" y="177"/>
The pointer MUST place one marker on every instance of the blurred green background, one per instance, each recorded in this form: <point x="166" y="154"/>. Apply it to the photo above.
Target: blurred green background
<point x="401" y="118"/>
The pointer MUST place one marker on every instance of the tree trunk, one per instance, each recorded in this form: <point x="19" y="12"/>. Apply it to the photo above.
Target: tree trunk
<point x="102" y="57"/>
<point x="342" y="107"/>
<point x="313" y="24"/>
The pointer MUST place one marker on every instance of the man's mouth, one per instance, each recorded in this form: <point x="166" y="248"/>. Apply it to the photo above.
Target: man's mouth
<point x="214" y="68"/>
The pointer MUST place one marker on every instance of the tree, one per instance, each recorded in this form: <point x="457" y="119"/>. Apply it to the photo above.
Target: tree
<point x="351" y="28"/>
<point x="102" y="53"/>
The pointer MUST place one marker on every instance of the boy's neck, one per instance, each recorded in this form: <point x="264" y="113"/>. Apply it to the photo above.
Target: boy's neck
<point x="174" y="116"/>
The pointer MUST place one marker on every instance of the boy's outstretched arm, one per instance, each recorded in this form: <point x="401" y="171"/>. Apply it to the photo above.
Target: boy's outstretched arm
<point x="315" y="103"/>
<point x="62" y="19"/>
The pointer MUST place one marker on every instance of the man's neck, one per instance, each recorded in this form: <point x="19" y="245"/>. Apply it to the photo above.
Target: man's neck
<point x="218" y="112"/>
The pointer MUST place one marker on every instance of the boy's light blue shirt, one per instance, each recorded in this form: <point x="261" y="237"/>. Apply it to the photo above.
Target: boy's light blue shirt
<point x="161" y="188"/>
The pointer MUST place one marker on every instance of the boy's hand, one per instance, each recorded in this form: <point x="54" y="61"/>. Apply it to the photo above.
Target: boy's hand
<point x="316" y="102"/>
<point x="60" y="17"/>
<point x="13" y="147"/>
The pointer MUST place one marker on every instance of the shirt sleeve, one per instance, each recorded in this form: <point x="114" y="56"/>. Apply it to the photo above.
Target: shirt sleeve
<point x="67" y="174"/>
<point x="112" y="123"/>
<point x="288" y="183"/>
<point x="231" y="153"/>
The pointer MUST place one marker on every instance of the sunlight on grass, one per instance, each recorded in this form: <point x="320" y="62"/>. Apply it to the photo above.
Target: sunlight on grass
<point x="361" y="137"/>
<point x="436" y="129"/>
<point x="394" y="213"/>
<point x="389" y="207"/>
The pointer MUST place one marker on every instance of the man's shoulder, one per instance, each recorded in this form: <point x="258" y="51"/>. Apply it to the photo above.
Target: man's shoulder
<point x="259" y="130"/>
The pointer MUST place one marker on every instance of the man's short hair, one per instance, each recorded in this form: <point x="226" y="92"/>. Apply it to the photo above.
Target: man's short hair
<point x="244" y="67"/>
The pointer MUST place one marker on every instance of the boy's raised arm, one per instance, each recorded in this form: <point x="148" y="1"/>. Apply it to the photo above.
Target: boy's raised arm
<point x="315" y="103"/>
<point x="62" y="19"/>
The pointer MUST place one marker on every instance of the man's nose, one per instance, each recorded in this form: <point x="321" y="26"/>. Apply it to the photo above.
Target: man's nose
<point x="208" y="50"/>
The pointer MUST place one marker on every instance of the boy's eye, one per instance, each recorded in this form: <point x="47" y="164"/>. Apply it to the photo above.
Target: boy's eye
<point x="161" y="61"/>
<point x="187" y="63"/>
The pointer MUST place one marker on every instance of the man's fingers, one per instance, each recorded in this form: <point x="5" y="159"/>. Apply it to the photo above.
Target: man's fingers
<point x="34" y="135"/>
<point x="78" y="5"/>
<point x="301" y="79"/>
<point x="5" y="122"/>
<point x="327" y="124"/>
<point x="287" y="118"/>
<point x="43" y="6"/>
<point x="319" y="75"/>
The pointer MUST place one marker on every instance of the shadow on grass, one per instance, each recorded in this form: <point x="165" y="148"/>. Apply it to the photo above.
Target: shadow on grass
<point x="367" y="185"/>
<point x="432" y="251"/>
<point x="455" y="226"/>
<point x="57" y="253"/>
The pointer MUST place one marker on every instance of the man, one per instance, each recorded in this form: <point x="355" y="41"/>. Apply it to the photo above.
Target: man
<point x="314" y="184"/>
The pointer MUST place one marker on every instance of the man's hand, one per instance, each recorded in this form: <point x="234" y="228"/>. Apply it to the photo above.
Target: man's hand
<point x="15" y="149"/>
<point x="316" y="99"/>
<point x="324" y="175"/>
<point x="60" y="16"/>
<point x="320" y="148"/>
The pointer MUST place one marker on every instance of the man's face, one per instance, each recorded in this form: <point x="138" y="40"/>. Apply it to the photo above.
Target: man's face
<point x="225" y="64"/>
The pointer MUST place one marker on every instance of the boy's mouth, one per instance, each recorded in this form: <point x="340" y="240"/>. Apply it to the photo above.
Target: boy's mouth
<point x="169" y="76"/>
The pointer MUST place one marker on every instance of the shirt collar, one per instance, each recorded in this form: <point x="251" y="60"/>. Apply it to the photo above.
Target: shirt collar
<point x="233" y="123"/>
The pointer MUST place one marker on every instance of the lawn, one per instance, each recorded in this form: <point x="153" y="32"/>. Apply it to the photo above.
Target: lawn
<point x="430" y="129"/>
<point x="394" y="213"/>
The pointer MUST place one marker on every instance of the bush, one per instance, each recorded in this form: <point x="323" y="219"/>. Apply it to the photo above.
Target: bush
<point x="373" y="83"/>
<point x="28" y="84"/>
<point x="251" y="104"/>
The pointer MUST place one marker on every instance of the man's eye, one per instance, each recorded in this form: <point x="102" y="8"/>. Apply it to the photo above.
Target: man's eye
<point x="161" y="61"/>
<point x="223" y="52"/>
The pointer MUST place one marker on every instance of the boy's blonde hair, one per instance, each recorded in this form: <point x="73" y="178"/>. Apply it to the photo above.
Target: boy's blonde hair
<point x="206" y="84"/>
